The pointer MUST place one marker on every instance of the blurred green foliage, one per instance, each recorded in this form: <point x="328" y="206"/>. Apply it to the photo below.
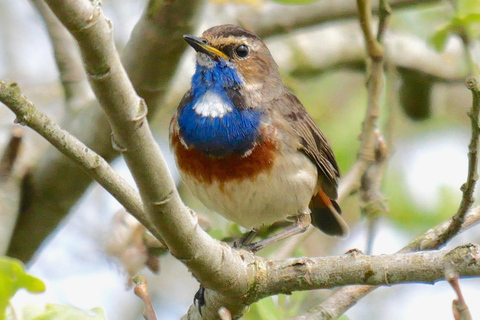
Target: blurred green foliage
<point x="13" y="278"/>
<point x="465" y="22"/>
<point x="62" y="312"/>
<point x="285" y="306"/>
<point x="280" y="307"/>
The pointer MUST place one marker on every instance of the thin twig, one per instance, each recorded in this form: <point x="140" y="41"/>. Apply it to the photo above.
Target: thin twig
<point x="469" y="187"/>
<point x="370" y="194"/>
<point x="384" y="13"/>
<point x="87" y="159"/>
<point x="11" y="176"/>
<point x="459" y="306"/>
<point x="373" y="202"/>
<point x="141" y="290"/>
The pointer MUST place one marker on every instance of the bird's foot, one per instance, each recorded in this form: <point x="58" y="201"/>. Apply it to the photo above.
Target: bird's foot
<point x="300" y="226"/>
<point x="199" y="299"/>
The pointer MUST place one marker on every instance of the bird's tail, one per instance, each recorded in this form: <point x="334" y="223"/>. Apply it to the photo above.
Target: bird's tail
<point x="326" y="215"/>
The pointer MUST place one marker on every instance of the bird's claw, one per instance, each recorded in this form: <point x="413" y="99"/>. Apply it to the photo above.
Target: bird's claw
<point x="199" y="299"/>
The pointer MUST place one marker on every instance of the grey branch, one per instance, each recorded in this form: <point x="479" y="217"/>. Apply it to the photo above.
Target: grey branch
<point x="272" y="18"/>
<point x="344" y="298"/>
<point x="285" y="276"/>
<point x="10" y="187"/>
<point x="47" y="198"/>
<point x="341" y="45"/>
<point x="67" y="57"/>
<point x="177" y="225"/>
<point x="87" y="159"/>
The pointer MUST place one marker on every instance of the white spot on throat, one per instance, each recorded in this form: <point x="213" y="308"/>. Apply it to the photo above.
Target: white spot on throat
<point x="211" y="104"/>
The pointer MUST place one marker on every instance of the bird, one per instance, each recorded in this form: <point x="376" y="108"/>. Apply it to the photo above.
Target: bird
<point x="246" y="147"/>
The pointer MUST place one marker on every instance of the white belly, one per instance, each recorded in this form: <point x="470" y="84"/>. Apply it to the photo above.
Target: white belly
<point x="283" y="191"/>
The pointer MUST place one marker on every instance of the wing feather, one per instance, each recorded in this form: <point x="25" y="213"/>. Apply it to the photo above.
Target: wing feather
<point x="312" y="142"/>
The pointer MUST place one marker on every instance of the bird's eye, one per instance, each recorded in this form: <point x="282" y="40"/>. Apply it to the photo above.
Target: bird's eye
<point x="241" y="51"/>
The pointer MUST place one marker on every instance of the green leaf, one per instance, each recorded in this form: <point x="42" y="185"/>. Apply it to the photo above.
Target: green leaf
<point x="62" y="312"/>
<point x="12" y="278"/>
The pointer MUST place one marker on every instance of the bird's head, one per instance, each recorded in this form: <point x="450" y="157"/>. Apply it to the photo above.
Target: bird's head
<point x="232" y="47"/>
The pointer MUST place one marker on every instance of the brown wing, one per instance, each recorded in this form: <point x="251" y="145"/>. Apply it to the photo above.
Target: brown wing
<point x="313" y="143"/>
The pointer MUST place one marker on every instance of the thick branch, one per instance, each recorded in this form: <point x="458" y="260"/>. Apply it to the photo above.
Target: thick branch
<point x="56" y="184"/>
<point x="307" y="273"/>
<point x="217" y="266"/>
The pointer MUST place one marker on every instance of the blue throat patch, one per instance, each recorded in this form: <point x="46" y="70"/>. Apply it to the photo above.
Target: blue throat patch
<point x="234" y="132"/>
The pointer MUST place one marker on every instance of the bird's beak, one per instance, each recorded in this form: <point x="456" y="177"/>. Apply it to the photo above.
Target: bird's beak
<point x="200" y="46"/>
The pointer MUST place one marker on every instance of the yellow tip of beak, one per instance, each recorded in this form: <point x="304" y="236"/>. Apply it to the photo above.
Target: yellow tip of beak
<point x="214" y="51"/>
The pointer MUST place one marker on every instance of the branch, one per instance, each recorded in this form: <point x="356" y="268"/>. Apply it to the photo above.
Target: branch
<point x="215" y="265"/>
<point x="141" y="290"/>
<point x="67" y="58"/>
<point x="472" y="177"/>
<point x="273" y="18"/>
<point x="372" y="200"/>
<point x="343" y="299"/>
<point x="10" y="187"/>
<point x="459" y="306"/>
<point x="296" y="273"/>
<point x="307" y="273"/>
<point x="87" y="159"/>
<point x="159" y="34"/>
<point x="46" y="198"/>
<point x="341" y="47"/>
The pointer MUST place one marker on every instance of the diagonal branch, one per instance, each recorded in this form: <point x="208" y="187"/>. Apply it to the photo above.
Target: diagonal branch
<point x="55" y="183"/>
<point x="217" y="266"/>
<point x="87" y="159"/>
<point x="268" y="277"/>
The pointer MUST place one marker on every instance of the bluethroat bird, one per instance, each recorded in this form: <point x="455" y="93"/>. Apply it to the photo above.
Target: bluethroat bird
<point x="245" y="145"/>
